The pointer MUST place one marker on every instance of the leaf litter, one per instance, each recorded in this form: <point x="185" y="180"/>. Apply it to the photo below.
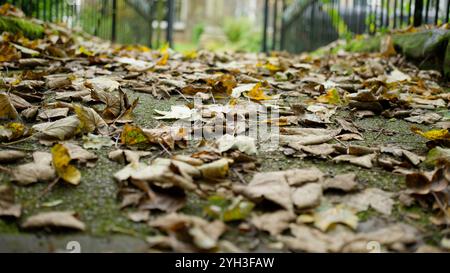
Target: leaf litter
<point x="71" y="97"/>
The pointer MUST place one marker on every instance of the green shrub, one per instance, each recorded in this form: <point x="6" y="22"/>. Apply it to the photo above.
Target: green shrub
<point x="17" y="25"/>
<point x="240" y="32"/>
<point x="197" y="32"/>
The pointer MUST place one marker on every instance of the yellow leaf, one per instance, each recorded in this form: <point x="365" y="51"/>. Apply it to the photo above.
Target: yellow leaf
<point x="8" y="53"/>
<point x="215" y="170"/>
<point x="61" y="162"/>
<point x="233" y="102"/>
<point x="326" y="218"/>
<point x="190" y="55"/>
<point x="7" y="109"/>
<point x="257" y="93"/>
<point x="165" y="55"/>
<point x="331" y="97"/>
<point x="442" y="134"/>
<point x="82" y="50"/>
<point x="273" y="68"/>
<point x="282" y="121"/>
<point x="223" y="84"/>
<point x="132" y="135"/>
<point x="13" y="131"/>
<point x="387" y="47"/>
<point x="163" y="60"/>
<point x="90" y="120"/>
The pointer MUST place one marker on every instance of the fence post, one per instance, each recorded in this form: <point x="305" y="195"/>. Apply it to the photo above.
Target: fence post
<point x="170" y="19"/>
<point x="114" y="22"/>
<point x="275" y="25"/>
<point x="266" y="25"/>
<point x="436" y="15"/>
<point x="283" y="28"/>
<point x="151" y="13"/>
<point x="418" y="8"/>
<point x="448" y="12"/>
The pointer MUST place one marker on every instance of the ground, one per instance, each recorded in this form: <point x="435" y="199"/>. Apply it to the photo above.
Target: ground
<point x="109" y="228"/>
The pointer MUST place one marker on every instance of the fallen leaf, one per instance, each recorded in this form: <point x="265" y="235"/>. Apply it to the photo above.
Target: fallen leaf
<point x="129" y="170"/>
<point x="10" y="156"/>
<point x="375" y="198"/>
<point x="436" y="134"/>
<point x="90" y="121"/>
<point x="138" y="216"/>
<point x="61" y="129"/>
<point x="127" y="156"/>
<point x="61" y="162"/>
<point x="345" y="182"/>
<point x="133" y="135"/>
<point x="102" y="84"/>
<point x="41" y="170"/>
<point x="317" y="150"/>
<point x="362" y="161"/>
<point x="96" y="142"/>
<point x="8" y="206"/>
<point x="179" y="112"/>
<point x="274" y="222"/>
<point x="307" y="196"/>
<point x="79" y="154"/>
<point x="228" y="210"/>
<point x="215" y="170"/>
<point x="327" y="217"/>
<point x="437" y="155"/>
<point x="256" y="93"/>
<point x="170" y="200"/>
<point x="270" y="186"/>
<point x="397" y="76"/>
<point x="244" y="144"/>
<point x="331" y="97"/>
<point x="26" y="50"/>
<point x="7" y="109"/>
<point x="54" y="219"/>
<point x="13" y="131"/>
<point x="296" y="137"/>
<point x="200" y="233"/>
<point x="53" y="113"/>
<point x="426" y="183"/>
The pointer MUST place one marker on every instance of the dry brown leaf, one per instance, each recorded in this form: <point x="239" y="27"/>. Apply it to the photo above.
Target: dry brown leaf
<point x="269" y="186"/>
<point x="375" y="198"/>
<point x="127" y="156"/>
<point x="362" y="161"/>
<point x="10" y="156"/>
<point x="61" y="129"/>
<point x="41" y="170"/>
<point x="8" y="206"/>
<point x="7" y="109"/>
<point x="307" y="196"/>
<point x="305" y="136"/>
<point x="274" y="222"/>
<point x="200" y="233"/>
<point x="345" y="182"/>
<point x="66" y="219"/>
<point x="90" y="121"/>
<point x="56" y="113"/>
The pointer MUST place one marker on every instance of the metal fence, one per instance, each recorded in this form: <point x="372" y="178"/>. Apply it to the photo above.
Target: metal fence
<point x="123" y="21"/>
<point x="48" y="10"/>
<point x="306" y="25"/>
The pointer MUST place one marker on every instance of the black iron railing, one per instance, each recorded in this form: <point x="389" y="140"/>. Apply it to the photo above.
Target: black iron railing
<point x="123" y="21"/>
<point x="306" y="25"/>
<point x="50" y="10"/>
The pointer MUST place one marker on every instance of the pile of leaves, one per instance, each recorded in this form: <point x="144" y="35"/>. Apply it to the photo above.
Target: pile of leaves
<point x="70" y="93"/>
